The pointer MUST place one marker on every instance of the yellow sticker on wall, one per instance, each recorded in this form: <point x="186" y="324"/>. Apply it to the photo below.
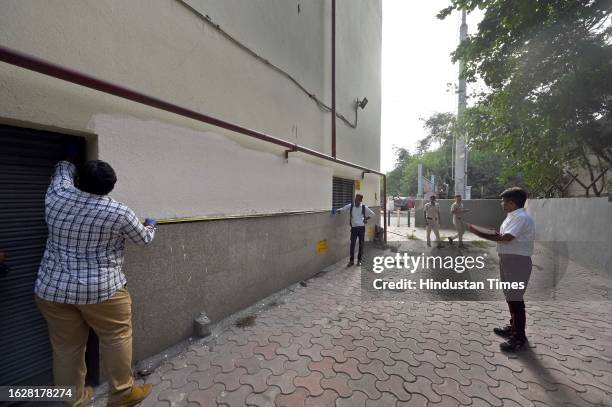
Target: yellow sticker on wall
<point x="321" y="246"/>
<point x="357" y="185"/>
<point x="370" y="231"/>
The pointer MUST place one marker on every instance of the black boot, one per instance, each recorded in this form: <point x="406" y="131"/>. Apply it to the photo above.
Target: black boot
<point x="505" y="332"/>
<point x="513" y="344"/>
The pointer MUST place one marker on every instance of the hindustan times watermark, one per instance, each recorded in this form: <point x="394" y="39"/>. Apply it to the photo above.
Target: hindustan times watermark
<point x="412" y="271"/>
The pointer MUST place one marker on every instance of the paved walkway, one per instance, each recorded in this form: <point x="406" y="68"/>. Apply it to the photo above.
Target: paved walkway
<point x="320" y="345"/>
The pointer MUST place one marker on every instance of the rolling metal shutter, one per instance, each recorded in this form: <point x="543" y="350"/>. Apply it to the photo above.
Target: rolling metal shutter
<point x="342" y="192"/>
<point x="27" y="159"/>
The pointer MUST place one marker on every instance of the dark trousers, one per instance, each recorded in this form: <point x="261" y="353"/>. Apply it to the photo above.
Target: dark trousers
<point x="357" y="232"/>
<point x="518" y="319"/>
<point x="515" y="268"/>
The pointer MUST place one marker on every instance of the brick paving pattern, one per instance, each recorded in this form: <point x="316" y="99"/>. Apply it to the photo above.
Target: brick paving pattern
<point x="322" y="346"/>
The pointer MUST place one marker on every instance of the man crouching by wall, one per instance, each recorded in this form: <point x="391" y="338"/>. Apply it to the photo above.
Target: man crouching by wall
<point x="80" y="283"/>
<point x="515" y="246"/>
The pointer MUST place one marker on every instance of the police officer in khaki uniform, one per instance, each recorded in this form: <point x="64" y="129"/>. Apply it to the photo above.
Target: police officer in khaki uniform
<point x="431" y="212"/>
<point x="457" y="211"/>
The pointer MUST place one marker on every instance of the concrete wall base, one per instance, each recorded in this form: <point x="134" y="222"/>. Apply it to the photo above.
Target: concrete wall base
<point x="221" y="267"/>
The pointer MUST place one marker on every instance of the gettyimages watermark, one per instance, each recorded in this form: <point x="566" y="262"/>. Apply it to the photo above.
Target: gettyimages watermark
<point x="412" y="271"/>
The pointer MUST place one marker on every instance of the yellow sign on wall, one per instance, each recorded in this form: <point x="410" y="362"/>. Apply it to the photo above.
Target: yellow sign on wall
<point x="357" y="185"/>
<point x="370" y="231"/>
<point x="321" y="246"/>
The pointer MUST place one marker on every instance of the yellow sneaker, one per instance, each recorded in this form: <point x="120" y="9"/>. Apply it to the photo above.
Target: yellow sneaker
<point x="137" y="394"/>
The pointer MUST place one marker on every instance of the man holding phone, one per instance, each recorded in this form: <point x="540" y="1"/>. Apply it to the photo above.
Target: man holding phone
<point x="515" y="241"/>
<point x="80" y="281"/>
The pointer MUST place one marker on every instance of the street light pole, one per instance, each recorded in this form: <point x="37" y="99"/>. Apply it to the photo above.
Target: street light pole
<point x="460" y="145"/>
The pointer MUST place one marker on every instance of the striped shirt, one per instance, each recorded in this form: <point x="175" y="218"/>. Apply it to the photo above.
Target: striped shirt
<point x="84" y="253"/>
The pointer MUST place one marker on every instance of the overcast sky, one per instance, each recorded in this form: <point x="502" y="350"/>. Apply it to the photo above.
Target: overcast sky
<point x="416" y="69"/>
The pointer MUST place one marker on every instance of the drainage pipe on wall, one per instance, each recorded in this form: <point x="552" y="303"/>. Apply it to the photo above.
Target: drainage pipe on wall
<point x="333" y="79"/>
<point x="48" y="68"/>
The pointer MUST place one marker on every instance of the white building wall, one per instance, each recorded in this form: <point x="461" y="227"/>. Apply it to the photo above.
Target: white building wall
<point x="169" y="166"/>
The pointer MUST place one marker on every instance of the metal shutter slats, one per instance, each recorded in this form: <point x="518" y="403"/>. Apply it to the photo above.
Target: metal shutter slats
<point x="27" y="159"/>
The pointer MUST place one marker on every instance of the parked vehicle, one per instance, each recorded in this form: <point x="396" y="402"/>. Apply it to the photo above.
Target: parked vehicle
<point x="403" y="203"/>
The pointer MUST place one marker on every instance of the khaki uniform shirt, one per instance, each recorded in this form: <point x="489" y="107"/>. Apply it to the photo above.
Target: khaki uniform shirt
<point x="458" y="216"/>
<point x="431" y="211"/>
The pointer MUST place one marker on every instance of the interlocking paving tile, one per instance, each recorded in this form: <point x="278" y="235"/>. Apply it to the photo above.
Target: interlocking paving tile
<point x="366" y="384"/>
<point x="480" y="389"/>
<point x="290" y="351"/>
<point x="206" y="398"/>
<point x="312" y="383"/>
<point x="375" y="367"/>
<point x="338" y="383"/>
<point x="452" y="371"/>
<point x="326" y="341"/>
<point x="179" y="378"/>
<point x="282" y="339"/>
<point x="322" y="346"/>
<point x="509" y="391"/>
<point x="422" y="386"/>
<point x="268" y="351"/>
<point x="300" y="366"/>
<point x="479" y="372"/>
<point x="395" y="385"/>
<point x="284" y="381"/>
<point x="336" y="352"/>
<point x="152" y="399"/>
<point x="426" y="369"/>
<point x="313" y="352"/>
<point x="177" y="396"/>
<point x="204" y="378"/>
<point x="230" y="380"/>
<point x="406" y="355"/>
<point x="451" y="387"/>
<point x="357" y="398"/>
<point x="401" y="369"/>
<point x="276" y="364"/>
<point x="415" y="400"/>
<point x="387" y="400"/>
<point x="295" y="399"/>
<point x="327" y="398"/>
<point x="358" y="353"/>
<point x="236" y="397"/>
<point x="265" y="399"/>
<point x="325" y="366"/>
<point x="257" y="381"/>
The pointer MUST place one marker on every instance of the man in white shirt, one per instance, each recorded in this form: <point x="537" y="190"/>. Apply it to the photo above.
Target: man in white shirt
<point x="457" y="211"/>
<point x="515" y="247"/>
<point x="359" y="215"/>
<point x="431" y="213"/>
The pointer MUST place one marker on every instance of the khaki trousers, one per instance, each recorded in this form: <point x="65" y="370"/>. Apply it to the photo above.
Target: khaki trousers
<point x="460" y="228"/>
<point x="432" y="224"/>
<point x="68" y="330"/>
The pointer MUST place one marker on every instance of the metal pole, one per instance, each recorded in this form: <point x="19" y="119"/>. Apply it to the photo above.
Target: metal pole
<point x="333" y="79"/>
<point x="385" y="205"/>
<point x="460" y="146"/>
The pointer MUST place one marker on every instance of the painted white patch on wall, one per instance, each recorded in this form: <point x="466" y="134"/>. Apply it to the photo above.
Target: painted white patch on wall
<point x="166" y="171"/>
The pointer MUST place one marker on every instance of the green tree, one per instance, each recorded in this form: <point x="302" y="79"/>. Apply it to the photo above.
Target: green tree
<point x="547" y="67"/>
<point x="402" y="159"/>
<point x="487" y="170"/>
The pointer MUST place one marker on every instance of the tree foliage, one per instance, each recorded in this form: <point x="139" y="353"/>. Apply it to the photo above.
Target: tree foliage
<point x="547" y="67"/>
<point x="434" y="151"/>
